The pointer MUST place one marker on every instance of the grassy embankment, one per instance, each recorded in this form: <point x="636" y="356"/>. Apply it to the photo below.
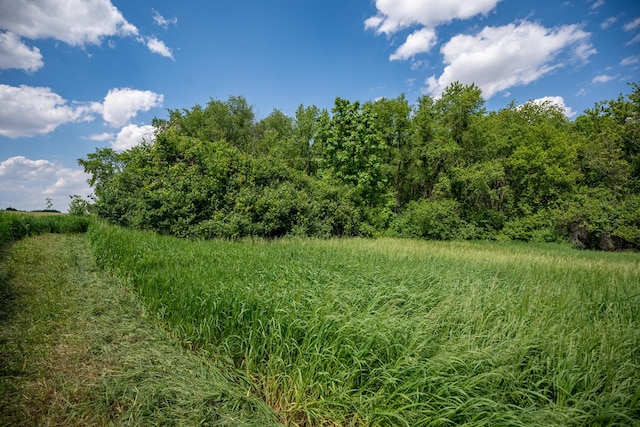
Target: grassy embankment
<point x="396" y="332"/>
<point x="77" y="347"/>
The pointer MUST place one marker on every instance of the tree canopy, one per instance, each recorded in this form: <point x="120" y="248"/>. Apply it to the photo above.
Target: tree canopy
<point x="444" y="169"/>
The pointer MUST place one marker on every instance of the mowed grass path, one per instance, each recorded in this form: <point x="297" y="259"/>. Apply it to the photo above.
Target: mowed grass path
<point x="78" y="349"/>
<point x="396" y="332"/>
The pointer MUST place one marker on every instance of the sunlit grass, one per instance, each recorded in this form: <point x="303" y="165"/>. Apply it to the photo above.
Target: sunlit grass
<point x="398" y="332"/>
<point x="77" y="349"/>
<point x="16" y="225"/>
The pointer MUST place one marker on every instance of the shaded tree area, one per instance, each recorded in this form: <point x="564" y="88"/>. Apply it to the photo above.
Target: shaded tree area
<point x="441" y="169"/>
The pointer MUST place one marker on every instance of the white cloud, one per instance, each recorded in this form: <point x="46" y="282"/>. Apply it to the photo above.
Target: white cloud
<point x="29" y="111"/>
<point x="25" y="184"/>
<point x="557" y="101"/>
<point x="608" y="22"/>
<point x="75" y="22"/>
<point x="105" y="136"/>
<point x="603" y="78"/>
<point x="158" y="46"/>
<point x="27" y="170"/>
<point x="632" y="25"/>
<point x="417" y="64"/>
<point x="596" y="4"/>
<point x="394" y="15"/>
<point x="162" y="21"/>
<point x="498" y="58"/>
<point x="630" y="60"/>
<point x="121" y="105"/>
<point x="15" y="54"/>
<point x="421" y="41"/>
<point x="132" y="135"/>
<point x="634" y="40"/>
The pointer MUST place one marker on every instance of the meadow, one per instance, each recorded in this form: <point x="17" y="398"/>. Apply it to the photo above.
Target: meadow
<point x="17" y="225"/>
<point x="400" y="332"/>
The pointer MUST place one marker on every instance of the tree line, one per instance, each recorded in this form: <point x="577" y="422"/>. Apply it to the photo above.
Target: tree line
<point x="444" y="168"/>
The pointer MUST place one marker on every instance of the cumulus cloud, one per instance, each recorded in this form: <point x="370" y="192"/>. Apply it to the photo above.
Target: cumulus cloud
<point x="498" y="58"/>
<point x="75" y="22"/>
<point x="132" y="135"/>
<point x="25" y="183"/>
<point x="129" y="136"/>
<point x="394" y="15"/>
<point x="121" y="105"/>
<point x="104" y="136"/>
<point x="29" y="111"/>
<point x="420" y="41"/>
<point x="557" y="101"/>
<point x="158" y="46"/>
<point x="15" y="54"/>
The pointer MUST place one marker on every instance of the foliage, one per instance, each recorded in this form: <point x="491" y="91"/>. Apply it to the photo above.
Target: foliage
<point x="433" y="219"/>
<point x="596" y="219"/>
<point x="78" y="205"/>
<point x="444" y="168"/>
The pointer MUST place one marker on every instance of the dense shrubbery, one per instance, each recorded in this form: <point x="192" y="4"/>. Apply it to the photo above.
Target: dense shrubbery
<point x="443" y="169"/>
<point x="15" y="226"/>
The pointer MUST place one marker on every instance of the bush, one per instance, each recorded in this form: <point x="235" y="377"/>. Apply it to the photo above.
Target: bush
<point x="537" y="227"/>
<point x="597" y="219"/>
<point x="433" y="219"/>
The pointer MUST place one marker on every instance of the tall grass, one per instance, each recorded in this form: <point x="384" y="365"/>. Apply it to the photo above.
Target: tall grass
<point x="397" y="332"/>
<point x="15" y="226"/>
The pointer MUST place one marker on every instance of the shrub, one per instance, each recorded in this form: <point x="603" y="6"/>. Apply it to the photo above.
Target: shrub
<point x="433" y="219"/>
<point x="597" y="219"/>
<point x="537" y="227"/>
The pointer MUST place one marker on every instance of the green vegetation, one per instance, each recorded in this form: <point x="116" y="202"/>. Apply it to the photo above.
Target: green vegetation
<point x="401" y="332"/>
<point x="17" y="225"/>
<point x="228" y="328"/>
<point x="78" y="349"/>
<point x="442" y="169"/>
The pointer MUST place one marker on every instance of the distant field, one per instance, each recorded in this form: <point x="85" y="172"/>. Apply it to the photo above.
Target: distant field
<point x="15" y="225"/>
<point x="399" y="332"/>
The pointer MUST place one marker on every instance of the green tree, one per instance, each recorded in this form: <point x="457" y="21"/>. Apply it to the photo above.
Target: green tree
<point x="393" y="121"/>
<point x="353" y="150"/>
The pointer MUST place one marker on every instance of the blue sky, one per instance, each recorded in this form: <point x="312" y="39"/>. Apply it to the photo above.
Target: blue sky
<point x="76" y="75"/>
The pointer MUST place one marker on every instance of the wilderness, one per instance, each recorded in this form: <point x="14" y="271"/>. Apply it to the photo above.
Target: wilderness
<point x="379" y="264"/>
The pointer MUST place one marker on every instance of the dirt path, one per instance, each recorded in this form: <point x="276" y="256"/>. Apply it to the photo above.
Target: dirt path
<point x="77" y="348"/>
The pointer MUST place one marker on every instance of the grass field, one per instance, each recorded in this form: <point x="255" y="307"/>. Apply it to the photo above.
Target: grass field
<point x="398" y="332"/>
<point x="17" y="225"/>
<point x="78" y="349"/>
